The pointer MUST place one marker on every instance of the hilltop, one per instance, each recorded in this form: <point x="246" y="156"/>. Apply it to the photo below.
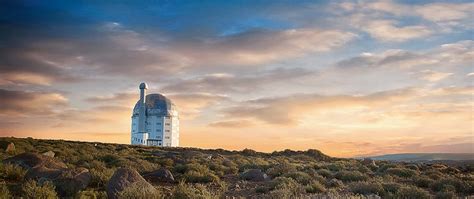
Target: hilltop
<point x="56" y="168"/>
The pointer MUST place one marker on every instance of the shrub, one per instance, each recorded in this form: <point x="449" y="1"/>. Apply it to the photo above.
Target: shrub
<point x="350" y="176"/>
<point x="335" y="183"/>
<point x="366" y="188"/>
<point x="283" y="182"/>
<point x="31" y="189"/>
<point x="300" y="177"/>
<point x="280" y="169"/>
<point x="386" y="166"/>
<point x="423" y="181"/>
<point x="196" y="176"/>
<point x="4" y="192"/>
<point x="12" y="172"/>
<point x="91" y="195"/>
<point x="139" y="192"/>
<point x="412" y="192"/>
<point x="453" y="184"/>
<point x="100" y="173"/>
<point x="391" y="187"/>
<point x="315" y="187"/>
<point x="401" y="172"/>
<point x="186" y="191"/>
<point x="337" y="166"/>
<point x="445" y="195"/>
<point x="324" y="172"/>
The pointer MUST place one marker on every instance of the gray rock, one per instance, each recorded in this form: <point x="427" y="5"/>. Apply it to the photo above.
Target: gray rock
<point x="72" y="180"/>
<point x="255" y="175"/>
<point x="30" y="160"/>
<point x="161" y="175"/>
<point x="368" y="162"/>
<point x="126" y="178"/>
<point x="10" y="147"/>
<point x="49" y="154"/>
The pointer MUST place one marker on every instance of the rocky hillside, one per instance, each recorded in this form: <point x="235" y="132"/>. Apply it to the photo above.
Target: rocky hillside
<point x="34" y="168"/>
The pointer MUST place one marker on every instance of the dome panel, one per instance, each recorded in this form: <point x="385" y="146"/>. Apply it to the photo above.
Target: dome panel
<point x="157" y="104"/>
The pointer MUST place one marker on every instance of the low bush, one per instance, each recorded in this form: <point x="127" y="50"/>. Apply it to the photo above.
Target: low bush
<point x="187" y="191"/>
<point x="139" y="192"/>
<point x="453" y="184"/>
<point x="401" y="172"/>
<point x="90" y="194"/>
<point x="423" y="181"/>
<point x="445" y="195"/>
<point x="315" y="187"/>
<point x="366" y="188"/>
<point x="391" y="187"/>
<point x="284" y="182"/>
<point x="324" y="172"/>
<point x="12" y="172"/>
<point x="350" y="176"/>
<point x="201" y="177"/>
<point x="31" y="189"/>
<point x="334" y="183"/>
<point x="412" y="192"/>
<point x="280" y="169"/>
<point x="4" y="192"/>
<point x="300" y="177"/>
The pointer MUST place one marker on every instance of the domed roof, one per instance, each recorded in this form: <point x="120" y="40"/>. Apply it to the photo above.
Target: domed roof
<point x="157" y="104"/>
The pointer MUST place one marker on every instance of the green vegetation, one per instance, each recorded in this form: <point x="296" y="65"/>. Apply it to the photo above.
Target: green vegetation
<point x="217" y="173"/>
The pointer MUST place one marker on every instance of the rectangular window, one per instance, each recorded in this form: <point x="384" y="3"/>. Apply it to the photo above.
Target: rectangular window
<point x="159" y="123"/>
<point x="167" y="124"/>
<point x="167" y="130"/>
<point x="167" y="137"/>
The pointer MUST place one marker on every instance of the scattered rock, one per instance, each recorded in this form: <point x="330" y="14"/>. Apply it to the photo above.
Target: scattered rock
<point x="369" y="162"/>
<point x="46" y="168"/>
<point x="10" y="148"/>
<point x="255" y="175"/>
<point x="124" y="178"/>
<point x="30" y="160"/>
<point x="72" y="180"/>
<point x="49" y="153"/>
<point x="161" y="175"/>
<point x="41" y="172"/>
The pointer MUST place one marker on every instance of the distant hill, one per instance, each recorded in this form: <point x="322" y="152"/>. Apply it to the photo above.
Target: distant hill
<point x="417" y="157"/>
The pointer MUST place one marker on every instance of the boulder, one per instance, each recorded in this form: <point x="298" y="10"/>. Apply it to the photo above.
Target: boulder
<point x="10" y="148"/>
<point x="255" y="175"/>
<point x="41" y="172"/>
<point x="368" y="162"/>
<point x="45" y="168"/>
<point x="49" y="153"/>
<point x="126" y="178"/>
<point x="70" y="181"/>
<point x="161" y="175"/>
<point x="30" y="160"/>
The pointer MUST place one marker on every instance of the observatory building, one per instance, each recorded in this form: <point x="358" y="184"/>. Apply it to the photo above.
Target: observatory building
<point x="154" y="120"/>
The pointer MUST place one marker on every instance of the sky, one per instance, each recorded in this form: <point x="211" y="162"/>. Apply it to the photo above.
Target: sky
<point x="349" y="78"/>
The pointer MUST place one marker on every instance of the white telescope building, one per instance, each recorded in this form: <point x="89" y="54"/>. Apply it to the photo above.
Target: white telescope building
<point x="155" y="120"/>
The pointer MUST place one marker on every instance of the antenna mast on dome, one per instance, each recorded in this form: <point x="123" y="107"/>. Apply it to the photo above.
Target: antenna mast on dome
<point x="141" y="114"/>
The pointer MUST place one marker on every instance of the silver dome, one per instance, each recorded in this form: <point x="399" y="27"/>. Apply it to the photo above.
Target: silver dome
<point x="157" y="104"/>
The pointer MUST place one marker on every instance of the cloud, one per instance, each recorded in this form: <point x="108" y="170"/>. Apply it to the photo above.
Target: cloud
<point x="387" y="30"/>
<point x="262" y="46"/>
<point x="232" y="124"/>
<point x="433" y="76"/>
<point x="225" y="83"/>
<point x="24" y="103"/>
<point x="190" y="105"/>
<point x="290" y="109"/>
<point x="455" y="54"/>
<point x="390" y="21"/>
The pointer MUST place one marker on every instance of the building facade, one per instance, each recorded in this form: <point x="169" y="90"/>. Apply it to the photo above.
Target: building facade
<point x="155" y="120"/>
